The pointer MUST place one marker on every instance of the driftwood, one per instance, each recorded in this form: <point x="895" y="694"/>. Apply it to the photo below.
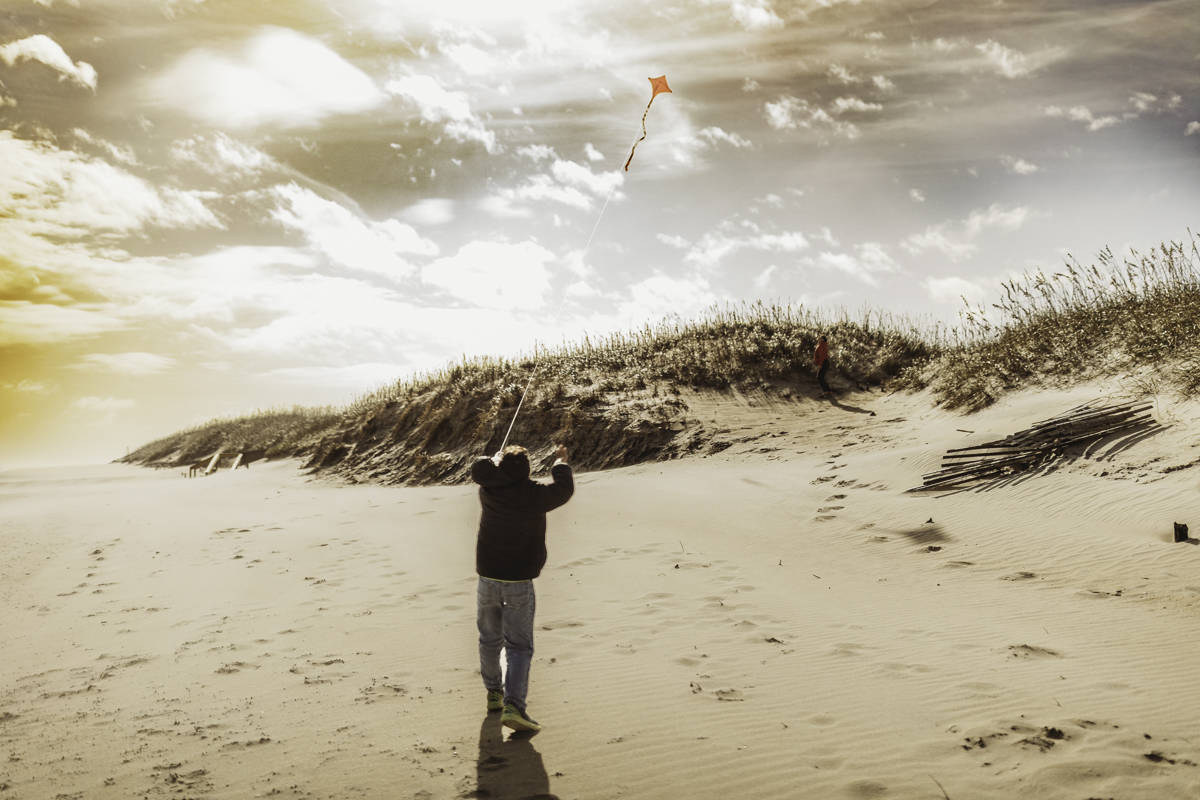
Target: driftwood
<point x="1044" y="442"/>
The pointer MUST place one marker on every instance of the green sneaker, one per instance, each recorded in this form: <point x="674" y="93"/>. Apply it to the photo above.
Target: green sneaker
<point x="495" y="700"/>
<point x="518" y="720"/>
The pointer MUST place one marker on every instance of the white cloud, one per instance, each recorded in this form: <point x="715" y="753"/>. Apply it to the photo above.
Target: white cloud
<point x="843" y="75"/>
<point x="731" y="237"/>
<point x="43" y="49"/>
<point x="883" y="83"/>
<point x="451" y="110"/>
<point x="592" y="153"/>
<point x="568" y="183"/>
<point x="277" y="78"/>
<point x="47" y="191"/>
<point x="755" y="15"/>
<point x="1146" y="103"/>
<point x="868" y="260"/>
<point x="792" y="113"/>
<point x="1019" y="166"/>
<point x="537" y="152"/>
<point x="495" y="275"/>
<point x="936" y="238"/>
<point x="26" y="386"/>
<point x="750" y="85"/>
<point x="713" y="135"/>
<point x="843" y="104"/>
<point x="917" y="195"/>
<point x="125" y="363"/>
<point x="92" y="403"/>
<point x="671" y="240"/>
<point x="662" y="296"/>
<point x="1008" y="62"/>
<point x="1192" y="127"/>
<point x="124" y="155"/>
<point x="220" y="154"/>
<point x="22" y="322"/>
<point x="995" y="216"/>
<point x="953" y="290"/>
<point x="430" y="211"/>
<point x="956" y="242"/>
<point x="347" y="239"/>
<point x="1082" y="114"/>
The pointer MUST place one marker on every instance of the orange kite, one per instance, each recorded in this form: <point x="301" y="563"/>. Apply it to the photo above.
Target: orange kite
<point x="657" y="85"/>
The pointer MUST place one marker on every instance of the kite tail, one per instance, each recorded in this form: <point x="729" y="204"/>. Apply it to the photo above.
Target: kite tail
<point x="639" y="141"/>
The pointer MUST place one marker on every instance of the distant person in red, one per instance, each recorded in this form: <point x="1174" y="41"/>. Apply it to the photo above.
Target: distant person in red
<point x="510" y="552"/>
<point x="821" y="360"/>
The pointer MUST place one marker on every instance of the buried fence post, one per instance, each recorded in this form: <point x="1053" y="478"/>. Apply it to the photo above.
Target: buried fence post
<point x="1181" y="532"/>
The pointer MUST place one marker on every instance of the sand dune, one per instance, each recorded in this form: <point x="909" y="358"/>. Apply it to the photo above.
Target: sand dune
<point x="779" y="619"/>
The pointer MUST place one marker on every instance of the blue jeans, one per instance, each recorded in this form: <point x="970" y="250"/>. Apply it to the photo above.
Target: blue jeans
<point x="505" y="619"/>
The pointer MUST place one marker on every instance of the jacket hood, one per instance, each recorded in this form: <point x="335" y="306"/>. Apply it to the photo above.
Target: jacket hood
<point x="514" y="467"/>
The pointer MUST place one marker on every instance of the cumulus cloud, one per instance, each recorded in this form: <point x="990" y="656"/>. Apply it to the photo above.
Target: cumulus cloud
<point x="662" y="296"/>
<point x="125" y="363"/>
<point x="1082" y="114"/>
<point x="842" y="105"/>
<point x="346" y="238"/>
<point x="592" y="153"/>
<point x="277" y="78"/>
<point x="712" y="136"/>
<point x="537" y="152"/>
<point x="451" y="110"/>
<point x="954" y="290"/>
<point x="792" y="113"/>
<point x="1192" y="127"/>
<point x="220" y="154"/>
<point x="736" y="235"/>
<point x="496" y="275"/>
<point x="868" y="260"/>
<point x="1147" y="103"/>
<point x="1008" y="62"/>
<point x="755" y="15"/>
<point x="567" y="182"/>
<point x="1019" y="166"/>
<point x="43" y="49"/>
<point x="916" y="195"/>
<point x="430" y="211"/>
<point x="48" y="191"/>
<point x="842" y="74"/>
<point x="883" y="83"/>
<point x="956" y="240"/>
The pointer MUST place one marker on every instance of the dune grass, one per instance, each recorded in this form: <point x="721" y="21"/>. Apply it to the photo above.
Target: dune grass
<point x="1136" y="313"/>
<point x="618" y="396"/>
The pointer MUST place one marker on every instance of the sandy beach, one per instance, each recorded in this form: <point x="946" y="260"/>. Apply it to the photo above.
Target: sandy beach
<point x="777" y="620"/>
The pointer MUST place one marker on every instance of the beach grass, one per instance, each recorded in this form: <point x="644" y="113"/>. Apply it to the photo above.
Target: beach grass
<point x="618" y="396"/>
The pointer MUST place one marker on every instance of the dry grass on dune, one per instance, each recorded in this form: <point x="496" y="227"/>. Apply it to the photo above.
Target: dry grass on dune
<point x="618" y="400"/>
<point x="1111" y="317"/>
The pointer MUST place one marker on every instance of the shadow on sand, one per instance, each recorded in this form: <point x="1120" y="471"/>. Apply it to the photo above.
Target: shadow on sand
<point x="509" y="770"/>
<point x="833" y="401"/>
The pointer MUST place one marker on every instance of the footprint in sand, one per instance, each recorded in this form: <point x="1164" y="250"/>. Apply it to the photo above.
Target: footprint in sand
<point x="1020" y="576"/>
<point x="1032" y="651"/>
<point x="826" y="509"/>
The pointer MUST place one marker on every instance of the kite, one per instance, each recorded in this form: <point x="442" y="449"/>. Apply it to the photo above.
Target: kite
<point x="657" y="85"/>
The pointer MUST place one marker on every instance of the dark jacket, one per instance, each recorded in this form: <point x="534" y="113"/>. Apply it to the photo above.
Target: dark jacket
<point x="511" y="545"/>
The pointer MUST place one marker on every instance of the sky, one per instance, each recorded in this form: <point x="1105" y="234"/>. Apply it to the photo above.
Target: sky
<point x="213" y="207"/>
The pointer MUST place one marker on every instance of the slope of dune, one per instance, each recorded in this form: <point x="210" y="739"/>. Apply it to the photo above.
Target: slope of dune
<point x="775" y="617"/>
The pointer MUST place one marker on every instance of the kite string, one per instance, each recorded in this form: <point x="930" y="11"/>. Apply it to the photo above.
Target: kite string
<point x="587" y="245"/>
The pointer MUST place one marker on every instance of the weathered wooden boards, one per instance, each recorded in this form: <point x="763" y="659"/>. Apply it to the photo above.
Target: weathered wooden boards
<point x="1084" y="426"/>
